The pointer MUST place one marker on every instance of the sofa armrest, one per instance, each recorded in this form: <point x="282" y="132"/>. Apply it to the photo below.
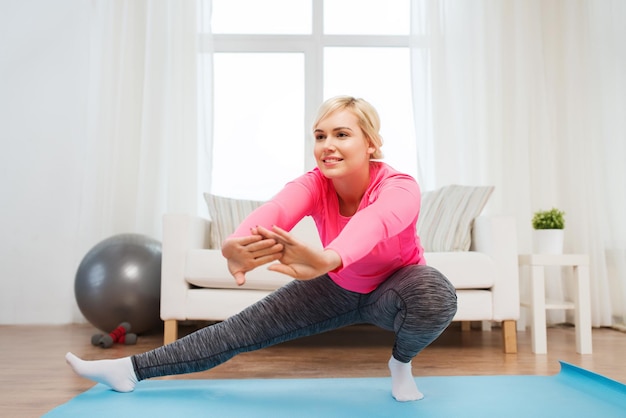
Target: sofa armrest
<point x="181" y="233"/>
<point x="497" y="237"/>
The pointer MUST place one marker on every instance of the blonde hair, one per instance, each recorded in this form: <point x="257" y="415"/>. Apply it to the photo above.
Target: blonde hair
<point x="369" y="122"/>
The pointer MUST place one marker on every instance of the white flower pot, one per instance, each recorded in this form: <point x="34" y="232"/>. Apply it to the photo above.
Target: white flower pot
<point x="548" y="241"/>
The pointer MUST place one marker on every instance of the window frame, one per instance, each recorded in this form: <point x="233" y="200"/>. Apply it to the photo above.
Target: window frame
<point x="312" y="46"/>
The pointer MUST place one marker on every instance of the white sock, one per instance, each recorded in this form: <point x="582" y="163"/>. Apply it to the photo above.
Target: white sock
<point x="403" y="387"/>
<point x="118" y="374"/>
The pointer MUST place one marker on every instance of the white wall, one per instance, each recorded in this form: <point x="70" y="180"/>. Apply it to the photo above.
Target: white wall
<point x="44" y="51"/>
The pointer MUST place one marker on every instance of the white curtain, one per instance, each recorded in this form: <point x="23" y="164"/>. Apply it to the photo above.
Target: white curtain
<point x="529" y="95"/>
<point x="141" y="152"/>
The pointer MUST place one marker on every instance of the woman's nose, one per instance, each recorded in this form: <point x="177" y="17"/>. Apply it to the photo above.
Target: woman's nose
<point x="329" y="143"/>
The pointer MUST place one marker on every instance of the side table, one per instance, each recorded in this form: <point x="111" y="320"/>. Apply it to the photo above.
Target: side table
<point x="537" y="304"/>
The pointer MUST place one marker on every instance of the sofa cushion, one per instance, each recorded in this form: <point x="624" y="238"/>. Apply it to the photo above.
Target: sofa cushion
<point x="447" y="215"/>
<point x="465" y="270"/>
<point x="208" y="269"/>
<point x="226" y="215"/>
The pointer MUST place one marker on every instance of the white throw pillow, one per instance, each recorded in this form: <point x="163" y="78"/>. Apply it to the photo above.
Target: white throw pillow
<point x="447" y="216"/>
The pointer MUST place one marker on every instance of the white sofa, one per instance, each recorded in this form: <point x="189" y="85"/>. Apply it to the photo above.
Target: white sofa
<point x="196" y="284"/>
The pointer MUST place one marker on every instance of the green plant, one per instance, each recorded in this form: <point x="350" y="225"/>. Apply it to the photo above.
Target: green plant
<point x="549" y="219"/>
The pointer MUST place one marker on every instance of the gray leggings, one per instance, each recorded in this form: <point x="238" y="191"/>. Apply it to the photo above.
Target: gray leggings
<point x="417" y="302"/>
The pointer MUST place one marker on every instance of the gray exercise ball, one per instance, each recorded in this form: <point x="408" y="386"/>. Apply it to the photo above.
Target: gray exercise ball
<point x="119" y="280"/>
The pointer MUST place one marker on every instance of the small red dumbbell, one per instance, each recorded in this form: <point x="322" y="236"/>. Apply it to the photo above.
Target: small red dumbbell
<point x="118" y="335"/>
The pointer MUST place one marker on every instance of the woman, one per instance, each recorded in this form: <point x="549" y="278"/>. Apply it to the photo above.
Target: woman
<point x="371" y="268"/>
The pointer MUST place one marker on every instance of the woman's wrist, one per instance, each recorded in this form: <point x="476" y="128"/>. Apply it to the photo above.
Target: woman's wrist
<point x="333" y="260"/>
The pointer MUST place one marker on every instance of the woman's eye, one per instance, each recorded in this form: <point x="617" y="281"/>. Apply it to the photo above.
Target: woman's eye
<point x="319" y="137"/>
<point x="342" y="134"/>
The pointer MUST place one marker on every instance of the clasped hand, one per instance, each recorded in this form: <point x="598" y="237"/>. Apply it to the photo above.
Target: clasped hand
<point x="296" y="259"/>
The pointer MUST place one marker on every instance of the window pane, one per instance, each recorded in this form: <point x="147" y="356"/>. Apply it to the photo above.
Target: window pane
<point x="261" y="17"/>
<point x="258" y="141"/>
<point x="367" y="17"/>
<point x="382" y="77"/>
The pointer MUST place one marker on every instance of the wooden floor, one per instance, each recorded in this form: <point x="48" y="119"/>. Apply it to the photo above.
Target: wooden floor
<point x="34" y="377"/>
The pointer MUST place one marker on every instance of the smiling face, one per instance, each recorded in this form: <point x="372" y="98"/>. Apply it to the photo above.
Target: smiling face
<point x="341" y="148"/>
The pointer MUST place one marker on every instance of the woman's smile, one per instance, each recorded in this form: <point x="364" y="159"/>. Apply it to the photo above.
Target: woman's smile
<point x="331" y="160"/>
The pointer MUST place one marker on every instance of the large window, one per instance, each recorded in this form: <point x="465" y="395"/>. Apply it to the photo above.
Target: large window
<point x="273" y="62"/>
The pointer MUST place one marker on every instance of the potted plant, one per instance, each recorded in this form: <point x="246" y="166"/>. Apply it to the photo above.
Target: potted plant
<point x="548" y="231"/>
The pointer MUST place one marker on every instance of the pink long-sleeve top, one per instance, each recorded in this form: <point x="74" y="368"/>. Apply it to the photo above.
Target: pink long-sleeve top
<point x="373" y="243"/>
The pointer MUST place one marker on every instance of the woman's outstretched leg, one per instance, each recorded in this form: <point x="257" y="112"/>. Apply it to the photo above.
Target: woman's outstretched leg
<point x="417" y="303"/>
<point x="298" y="309"/>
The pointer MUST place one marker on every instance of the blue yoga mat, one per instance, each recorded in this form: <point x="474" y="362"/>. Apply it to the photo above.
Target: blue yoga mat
<point x="574" y="392"/>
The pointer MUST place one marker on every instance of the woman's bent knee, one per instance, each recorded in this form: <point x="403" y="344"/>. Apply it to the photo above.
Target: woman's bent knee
<point x="429" y="296"/>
